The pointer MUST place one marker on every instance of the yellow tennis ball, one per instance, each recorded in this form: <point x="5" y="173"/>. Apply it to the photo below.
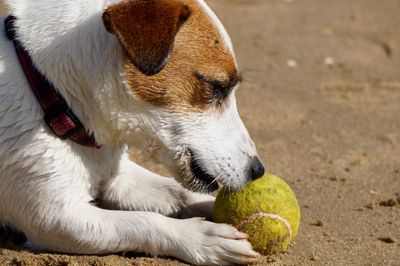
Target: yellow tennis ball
<point x="266" y="209"/>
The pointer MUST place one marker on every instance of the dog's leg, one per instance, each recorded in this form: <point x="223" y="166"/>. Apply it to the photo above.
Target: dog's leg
<point x="137" y="189"/>
<point x="81" y="228"/>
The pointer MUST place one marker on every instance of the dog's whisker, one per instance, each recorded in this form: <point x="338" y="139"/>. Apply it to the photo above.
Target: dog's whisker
<point x="215" y="180"/>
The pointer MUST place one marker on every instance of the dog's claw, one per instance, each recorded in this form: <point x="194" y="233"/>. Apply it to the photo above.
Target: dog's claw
<point x="240" y="235"/>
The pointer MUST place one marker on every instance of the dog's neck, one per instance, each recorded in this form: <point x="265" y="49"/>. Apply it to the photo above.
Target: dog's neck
<point x="68" y="50"/>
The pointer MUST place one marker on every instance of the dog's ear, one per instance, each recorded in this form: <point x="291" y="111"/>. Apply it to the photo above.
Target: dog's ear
<point x="146" y="30"/>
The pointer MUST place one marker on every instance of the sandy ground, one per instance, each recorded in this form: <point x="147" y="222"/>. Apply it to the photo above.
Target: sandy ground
<point x="322" y="101"/>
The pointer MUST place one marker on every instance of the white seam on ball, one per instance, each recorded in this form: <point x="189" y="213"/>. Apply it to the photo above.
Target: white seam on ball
<point x="260" y="215"/>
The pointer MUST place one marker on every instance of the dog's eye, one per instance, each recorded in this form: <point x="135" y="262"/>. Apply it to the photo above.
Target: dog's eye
<point x="219" y="90"/>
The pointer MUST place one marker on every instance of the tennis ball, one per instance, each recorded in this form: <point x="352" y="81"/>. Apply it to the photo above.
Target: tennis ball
<point x="266" y="209"/>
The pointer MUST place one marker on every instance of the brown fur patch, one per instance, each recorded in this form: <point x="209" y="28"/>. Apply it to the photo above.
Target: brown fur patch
<point x="198" y="48"/>
<point x="146" y="30"/>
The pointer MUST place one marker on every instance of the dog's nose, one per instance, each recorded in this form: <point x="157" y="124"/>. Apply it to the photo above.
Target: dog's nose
<point x="257" y="169"/>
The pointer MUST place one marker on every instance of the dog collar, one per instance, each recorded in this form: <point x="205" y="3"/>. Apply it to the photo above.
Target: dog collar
<point x="57" y="114"/>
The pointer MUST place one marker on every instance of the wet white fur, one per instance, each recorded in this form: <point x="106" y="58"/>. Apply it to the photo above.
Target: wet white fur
<point x="46" y="184"/>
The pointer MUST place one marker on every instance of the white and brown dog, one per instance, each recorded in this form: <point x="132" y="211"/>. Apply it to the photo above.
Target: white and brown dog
<point x="155" y="74"/>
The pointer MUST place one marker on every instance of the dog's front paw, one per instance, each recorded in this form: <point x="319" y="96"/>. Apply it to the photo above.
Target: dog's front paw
<point x="206" y="243"/>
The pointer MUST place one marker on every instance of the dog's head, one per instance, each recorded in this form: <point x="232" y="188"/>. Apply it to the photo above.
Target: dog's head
<point x="178" y="65"/>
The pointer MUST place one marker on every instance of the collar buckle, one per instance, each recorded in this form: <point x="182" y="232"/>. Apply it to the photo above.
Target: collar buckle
<point x="60" y="118"/>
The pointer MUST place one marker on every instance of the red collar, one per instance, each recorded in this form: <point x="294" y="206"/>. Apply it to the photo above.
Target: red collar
<point x="57" y="114"/>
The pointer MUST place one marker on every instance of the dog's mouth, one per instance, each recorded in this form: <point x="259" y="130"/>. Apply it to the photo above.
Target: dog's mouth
<point x="195" y="177"/>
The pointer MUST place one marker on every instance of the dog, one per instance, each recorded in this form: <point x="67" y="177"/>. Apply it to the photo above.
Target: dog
<point x="158" y="75"/>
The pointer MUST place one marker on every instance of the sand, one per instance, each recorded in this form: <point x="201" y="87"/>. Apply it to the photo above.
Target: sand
<point x="322" y="102"/>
